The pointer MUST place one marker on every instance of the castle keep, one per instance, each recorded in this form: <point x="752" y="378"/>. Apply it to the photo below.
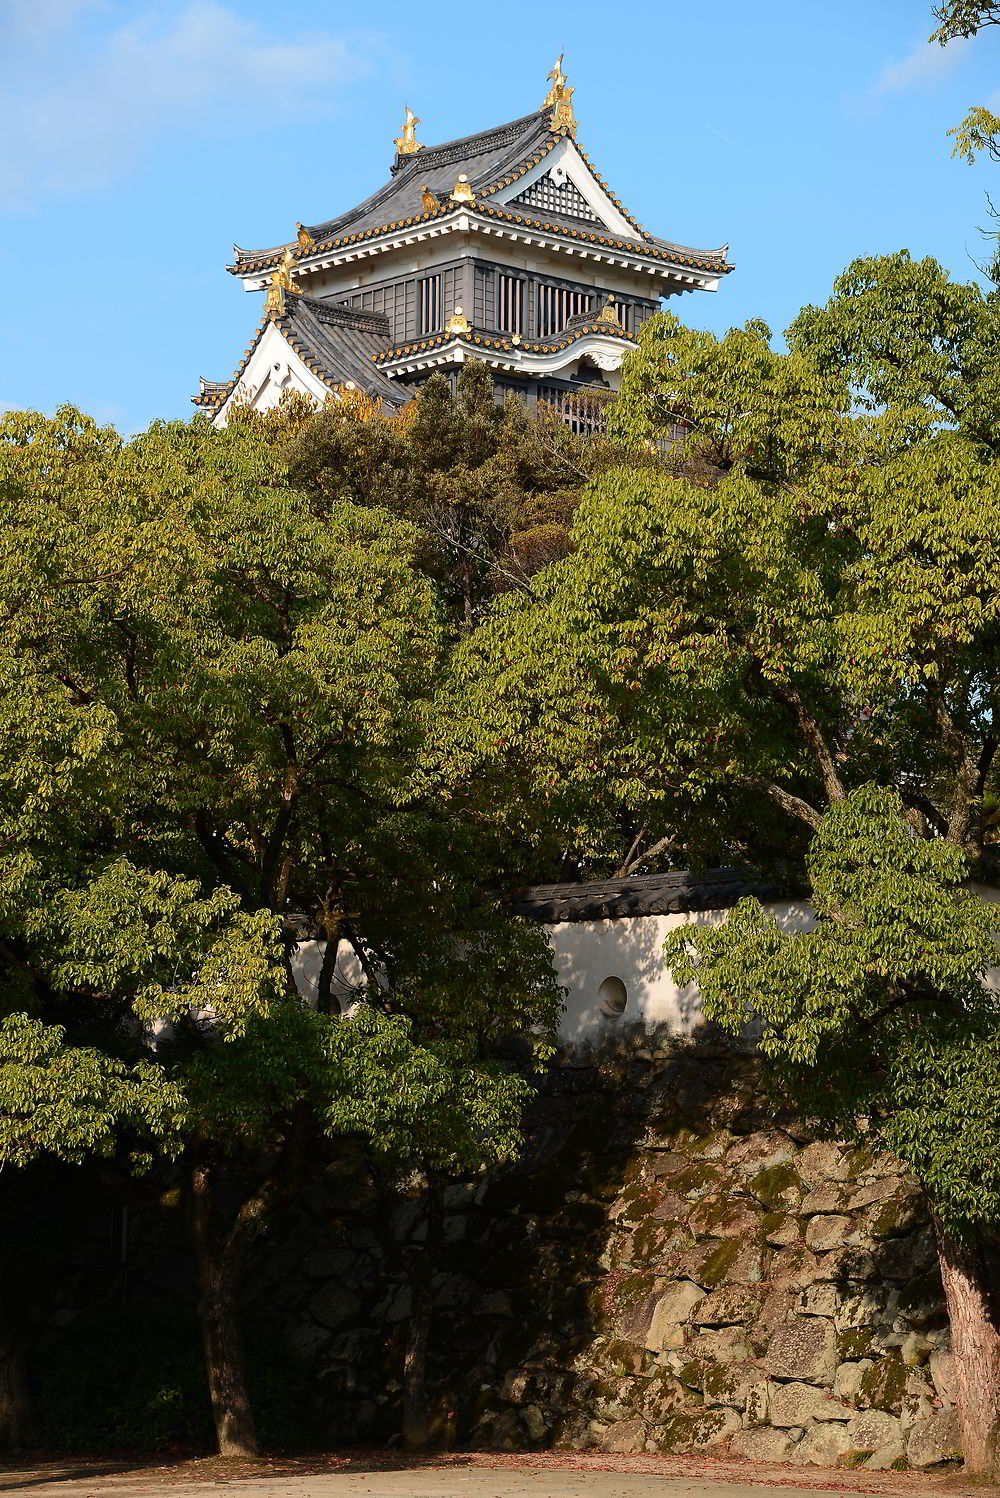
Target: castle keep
<point x="507" y="246"/>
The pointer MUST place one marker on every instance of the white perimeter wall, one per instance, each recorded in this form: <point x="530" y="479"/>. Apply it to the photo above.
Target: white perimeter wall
<point x="587" y="952"/>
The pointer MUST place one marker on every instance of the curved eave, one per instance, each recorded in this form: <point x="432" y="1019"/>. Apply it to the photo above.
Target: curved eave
<point x="214" y="395"/>
<point x="702" y="270"/>
<point x="533" y="357"/>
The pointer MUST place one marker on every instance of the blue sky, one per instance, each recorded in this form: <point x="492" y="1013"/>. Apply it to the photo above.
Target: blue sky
<point x="140" y="139"/>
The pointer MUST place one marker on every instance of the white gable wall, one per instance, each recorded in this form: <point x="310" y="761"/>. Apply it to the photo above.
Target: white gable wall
<point x="564" y="160"/>
<point x="274" y="369"/>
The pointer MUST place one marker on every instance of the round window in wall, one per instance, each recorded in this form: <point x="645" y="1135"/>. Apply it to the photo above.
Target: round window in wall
<point x="612" y="997"/>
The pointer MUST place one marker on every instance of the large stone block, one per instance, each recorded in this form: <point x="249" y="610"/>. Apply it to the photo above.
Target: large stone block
<point x="806" y="1350"/>
<point x="897" y="1216"/>
<point x="693" y="1429"/>
<point x="847" y="1381"/>
<point x="730" y="1344"/>
<point x="334" y="1304"/>
<point x="822" y="1162"/>
<point x="872" y="1306"/>
<point x="936" y="1438"/>
<point x="765" y="1444"/>
<point x="827" y="1232"/>
<point x="825" y="1198"/>
<point x="757" y="1152"/>
<point x="669" y="1312"/>
<point x="823" y="1445"/>
<point x="733" y="1305"/>
<point x="795" y="1404"/>
<point x="723" y="1217"/>
<point x="871" y="1430"/>
<point x="625" y="1436"/>
<point x="944" y="1373"/>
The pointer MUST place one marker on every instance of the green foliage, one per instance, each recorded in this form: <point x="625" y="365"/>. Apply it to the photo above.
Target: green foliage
<point x="881" y="1010"/>
<point x="963" y="18"/>
<point x="70" y="1101"/>
<point x="219" y="693"/>
<point x="729" y="650"/>
<point x="490" y="486"/>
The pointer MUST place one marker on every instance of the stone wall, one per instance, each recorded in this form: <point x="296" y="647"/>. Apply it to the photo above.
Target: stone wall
<point x="670" y="1267"/>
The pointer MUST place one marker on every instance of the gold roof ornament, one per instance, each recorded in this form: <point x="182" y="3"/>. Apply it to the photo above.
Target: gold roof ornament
<point x="458" y="323"/>
<point x="281" y="281"/>
<point x="407" y="143"/>
<point x="428" y="198"/>
<point x="560" y="100"/>
<point x="608" y="315"/>
<point x="305" y="239"/>
<point x="462" y="192"/>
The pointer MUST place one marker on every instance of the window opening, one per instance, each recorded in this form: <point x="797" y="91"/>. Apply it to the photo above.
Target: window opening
<point x="430" y="304"/>
<point x="613" y="997"/>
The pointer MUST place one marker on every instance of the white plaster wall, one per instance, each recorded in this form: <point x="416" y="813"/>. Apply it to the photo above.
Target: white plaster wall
<point x="307" y="960"/>
<point x="631" y="948"/>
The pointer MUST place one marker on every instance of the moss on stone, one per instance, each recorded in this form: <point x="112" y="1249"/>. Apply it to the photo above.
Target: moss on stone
<point x="769" y="1185"/>
<point x="925" y="1288"/>
<point x="858" y="1161"/>
<point x="685" y="1430"/>
<point x="718" y="1264"/>
<point x="854" y="1458"/>
<point x="718" y="1383"/>
<point x="853" y="1345"/>
<point x="893" y="1218"/>
<point x="883" y="1385"/>
<point x="692" y="1375"/>
<point x="695" y="1179"/>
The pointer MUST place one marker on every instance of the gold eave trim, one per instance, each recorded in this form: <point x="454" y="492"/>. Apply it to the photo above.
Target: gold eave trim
<point x="493" y="222"/>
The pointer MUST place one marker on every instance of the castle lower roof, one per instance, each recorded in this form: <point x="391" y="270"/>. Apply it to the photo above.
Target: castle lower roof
<point x="647" y="894"/>
<point x="338" y="344"/>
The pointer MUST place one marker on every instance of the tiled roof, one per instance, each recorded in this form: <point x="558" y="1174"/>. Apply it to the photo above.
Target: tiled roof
<point x="492" y="160"/>
<point x="650" y="894"/>
<point x="336" y="343"/>
<point x="504" y="342"/>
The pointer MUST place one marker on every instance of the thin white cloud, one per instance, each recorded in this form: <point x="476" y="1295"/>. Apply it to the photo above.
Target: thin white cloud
<point x="925" y="64"/>
<point x="87" y="85"/>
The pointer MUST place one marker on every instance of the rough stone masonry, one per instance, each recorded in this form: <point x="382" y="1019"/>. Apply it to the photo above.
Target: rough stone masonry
<point x="672" y="1266"/>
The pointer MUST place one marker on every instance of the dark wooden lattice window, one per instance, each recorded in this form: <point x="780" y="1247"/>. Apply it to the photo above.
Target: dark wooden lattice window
<point x="556" y="305"/>
<point x="563" y="197"/>
<point x="510" y="304"/>
<point x="583" y="410"/>
<point x="430" y="304"/>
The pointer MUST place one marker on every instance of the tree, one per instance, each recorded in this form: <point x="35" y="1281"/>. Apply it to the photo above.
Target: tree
<point x="739" y="654"/>
<point x="239" y="691"/>
<point x="980" y="130"/>
<point x="490" y="485"/>
<point x="881" y="1023"/>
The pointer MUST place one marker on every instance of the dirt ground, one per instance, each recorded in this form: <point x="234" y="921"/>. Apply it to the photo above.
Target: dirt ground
<point x="460" y="1475"/>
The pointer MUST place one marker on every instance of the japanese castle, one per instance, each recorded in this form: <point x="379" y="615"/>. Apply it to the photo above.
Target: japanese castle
<point x="507" y="246"/>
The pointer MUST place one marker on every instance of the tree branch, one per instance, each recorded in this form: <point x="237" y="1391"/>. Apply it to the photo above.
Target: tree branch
<point x="793" y="805"/>
<point x="813" y="734"/>
<point x="272" y="849"/>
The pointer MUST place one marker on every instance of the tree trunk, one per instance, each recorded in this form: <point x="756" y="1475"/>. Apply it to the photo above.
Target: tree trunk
<point x="222" y="1338"/>
<point x="417" y="1432"/>
<point x="975" y="1340"/>
<point x="15" y="1404"/>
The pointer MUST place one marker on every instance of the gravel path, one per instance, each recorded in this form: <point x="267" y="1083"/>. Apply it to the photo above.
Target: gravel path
<point x="461" y="1475"/>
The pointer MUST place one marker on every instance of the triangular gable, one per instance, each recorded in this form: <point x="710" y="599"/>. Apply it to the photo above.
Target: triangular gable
<point x="562" y="176"/>
<point x="555" y="192"/>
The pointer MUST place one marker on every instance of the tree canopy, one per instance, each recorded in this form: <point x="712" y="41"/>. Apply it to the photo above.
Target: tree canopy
<point x="221" y="697"/>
